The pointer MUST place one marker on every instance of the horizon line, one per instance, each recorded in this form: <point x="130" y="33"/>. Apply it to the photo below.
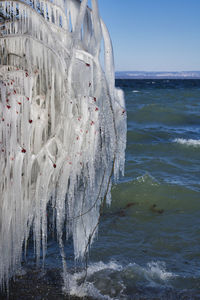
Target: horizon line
<point x="158" y="71"/>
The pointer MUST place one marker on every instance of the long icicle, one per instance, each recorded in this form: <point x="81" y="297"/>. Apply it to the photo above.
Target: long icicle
<point x="62" y="126"/>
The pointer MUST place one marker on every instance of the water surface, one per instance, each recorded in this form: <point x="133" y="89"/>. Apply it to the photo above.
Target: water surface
<point x="148" y="246"/>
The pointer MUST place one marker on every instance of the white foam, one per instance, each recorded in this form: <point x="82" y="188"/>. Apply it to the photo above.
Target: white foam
<point x="157" y="270"/>
<point x="135" y="91"/>
<point x="187" y="142"/>
<point x="99" y="286"/>
<point x="153" y="272"/>
<point x="147" y="178"/>
<point x="88" y="288"/>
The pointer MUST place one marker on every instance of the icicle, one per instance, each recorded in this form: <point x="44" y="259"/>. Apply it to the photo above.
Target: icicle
<point x="62" y="126"/>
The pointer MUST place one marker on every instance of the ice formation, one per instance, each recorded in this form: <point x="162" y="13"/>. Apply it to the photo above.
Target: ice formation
<point x="62" y="125"/>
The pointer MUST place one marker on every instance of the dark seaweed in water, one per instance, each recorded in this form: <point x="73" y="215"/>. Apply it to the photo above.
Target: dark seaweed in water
<point x="149" y="239"/>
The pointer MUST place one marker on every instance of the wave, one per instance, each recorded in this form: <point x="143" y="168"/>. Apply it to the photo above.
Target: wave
<point x="160" y="113"/>
<point x="146" y="193"/>
<point x="110" y="280"/>
<point x="154" y="273"/>
<point x="147" y="179"/>
<point x="187" y="142"/>
<point x="135" y="91"/>
<point x="97" y="276"/>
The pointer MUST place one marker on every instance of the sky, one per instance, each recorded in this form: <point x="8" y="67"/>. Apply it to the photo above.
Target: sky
<point x="154" y="35"/>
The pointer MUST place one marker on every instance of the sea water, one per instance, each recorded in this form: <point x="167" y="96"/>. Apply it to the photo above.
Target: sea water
<point x="148" y="245"/>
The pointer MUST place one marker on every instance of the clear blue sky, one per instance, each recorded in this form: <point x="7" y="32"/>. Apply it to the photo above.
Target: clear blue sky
<point x="154" y="35"/>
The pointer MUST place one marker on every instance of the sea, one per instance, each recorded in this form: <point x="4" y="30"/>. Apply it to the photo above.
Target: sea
<point x="148" y="243"/>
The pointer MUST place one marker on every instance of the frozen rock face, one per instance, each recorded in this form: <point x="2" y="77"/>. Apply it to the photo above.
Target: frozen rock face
<point x="62" y="124"/>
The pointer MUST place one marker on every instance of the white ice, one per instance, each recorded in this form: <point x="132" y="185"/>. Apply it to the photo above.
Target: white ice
<point x="62" y="125"/>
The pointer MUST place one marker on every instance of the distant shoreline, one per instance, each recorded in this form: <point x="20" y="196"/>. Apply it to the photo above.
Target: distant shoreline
<point x="157" y="75"/>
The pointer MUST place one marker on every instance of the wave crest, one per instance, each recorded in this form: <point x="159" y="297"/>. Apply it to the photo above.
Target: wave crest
<point x="109" y="280"/>
<point x="187" y="142"/>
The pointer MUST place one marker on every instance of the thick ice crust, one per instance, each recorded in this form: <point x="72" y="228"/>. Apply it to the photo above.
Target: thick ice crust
<point x="62" y="124"/>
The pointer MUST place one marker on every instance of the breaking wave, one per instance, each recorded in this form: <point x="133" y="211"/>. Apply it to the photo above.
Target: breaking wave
<point x="110" y="280"/>
<point x="187" y="142"/>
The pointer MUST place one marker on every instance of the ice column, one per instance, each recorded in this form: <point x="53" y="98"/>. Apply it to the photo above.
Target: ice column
<point x="62" y="125"/>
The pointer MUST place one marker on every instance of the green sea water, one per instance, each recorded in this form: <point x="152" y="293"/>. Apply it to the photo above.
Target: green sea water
<point x="148" y="245"/>
<point x="152" y="229"/>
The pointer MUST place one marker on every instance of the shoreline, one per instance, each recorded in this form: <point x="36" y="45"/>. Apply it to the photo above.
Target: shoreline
<point x="38" y="284"/>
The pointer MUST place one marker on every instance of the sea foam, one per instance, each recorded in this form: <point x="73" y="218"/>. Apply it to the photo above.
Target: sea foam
<point x="187" y="142"/>
<point x="109" y="280"/>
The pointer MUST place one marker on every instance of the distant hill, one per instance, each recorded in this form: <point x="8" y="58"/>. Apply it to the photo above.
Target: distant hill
<point x="157" y="75"/>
